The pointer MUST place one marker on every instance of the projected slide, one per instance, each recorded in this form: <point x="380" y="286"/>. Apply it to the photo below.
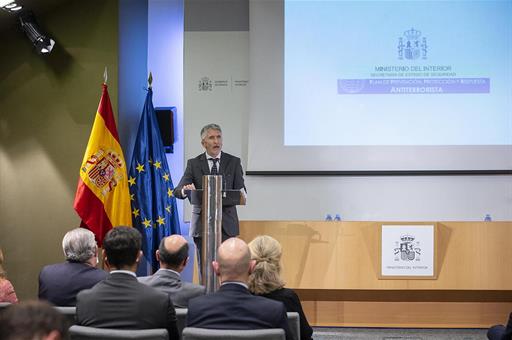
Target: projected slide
<point x="397" y="73"/>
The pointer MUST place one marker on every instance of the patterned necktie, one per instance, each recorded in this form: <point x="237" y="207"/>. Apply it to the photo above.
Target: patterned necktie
<point x="214" y="170"/>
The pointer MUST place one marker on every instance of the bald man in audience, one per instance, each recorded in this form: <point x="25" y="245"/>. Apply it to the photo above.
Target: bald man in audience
<point x="173" y="258"/>
<point x="233" y="306"/>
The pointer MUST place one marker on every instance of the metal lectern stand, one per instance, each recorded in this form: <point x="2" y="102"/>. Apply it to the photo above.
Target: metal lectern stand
<point x="212" y="198"/>
<point x="211" y="216"/>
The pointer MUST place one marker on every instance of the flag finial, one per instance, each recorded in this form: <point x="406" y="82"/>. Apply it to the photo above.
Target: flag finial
<point x="105" y="76"/>
<point x="150" y="80"/>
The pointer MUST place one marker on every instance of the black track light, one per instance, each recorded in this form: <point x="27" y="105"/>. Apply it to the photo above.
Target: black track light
<point x="40" y="40"/>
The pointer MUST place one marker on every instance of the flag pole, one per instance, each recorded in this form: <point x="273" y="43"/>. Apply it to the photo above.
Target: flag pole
<point x="105" y="76"/>
<point x="150" y="80"/>
<point x="101" y="260"/>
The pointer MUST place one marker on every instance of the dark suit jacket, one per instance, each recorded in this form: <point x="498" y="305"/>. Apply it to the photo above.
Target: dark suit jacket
<point x="170" y="282"/>
<point x="234" y="307"/>
<point x="232" y="177"/>
<point x="500" y="332"/>
<point x="292" y="304"/>
<point x="60" y="283"/>
<point x="121" y="302"/>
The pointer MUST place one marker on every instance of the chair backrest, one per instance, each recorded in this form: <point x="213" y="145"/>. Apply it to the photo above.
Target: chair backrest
<point x="4" y="305"/>
<point x="91" y="333"/>
<point x="66" y="310"/>
<point x="69" y="313"/>
<point x="193" y="333"/>
<point x="294" y="324"/>
<point x="181" y="319"/>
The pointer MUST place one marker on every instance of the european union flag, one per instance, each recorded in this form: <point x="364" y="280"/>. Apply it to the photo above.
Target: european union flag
<point x="154" y="211"/>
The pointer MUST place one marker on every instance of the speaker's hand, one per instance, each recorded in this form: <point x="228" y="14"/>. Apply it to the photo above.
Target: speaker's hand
<point x="190" y="186"/>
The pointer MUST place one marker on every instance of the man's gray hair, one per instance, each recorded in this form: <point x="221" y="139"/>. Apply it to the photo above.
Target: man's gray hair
<point x="79" y="245"/>
<point x="211" y="126"/>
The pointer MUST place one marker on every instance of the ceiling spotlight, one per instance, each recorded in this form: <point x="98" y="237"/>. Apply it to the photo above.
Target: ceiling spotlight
<point x="5" y="2"/>
<point x="10" y="6"/>
<point x="41" y="41"/>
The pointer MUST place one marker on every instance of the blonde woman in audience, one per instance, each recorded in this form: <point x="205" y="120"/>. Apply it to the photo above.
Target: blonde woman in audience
<point x="7" y="293"/>
<point x="266" y="279"/>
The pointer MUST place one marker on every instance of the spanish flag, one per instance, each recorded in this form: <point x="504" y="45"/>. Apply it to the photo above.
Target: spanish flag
<point x="102" y="197"/>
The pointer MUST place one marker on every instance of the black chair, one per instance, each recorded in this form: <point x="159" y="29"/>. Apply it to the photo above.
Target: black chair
<point x="193" y="333"/>
<point x="4" y="305"/>
<point x="92" y="333"/>
<point x="69" y="313"/>
<point x="181" y="319"/>
<point x="294" y="324"/>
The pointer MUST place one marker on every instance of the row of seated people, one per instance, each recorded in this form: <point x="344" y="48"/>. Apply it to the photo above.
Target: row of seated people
<point x="120" y="300"/>
<point x="38" y="320"/>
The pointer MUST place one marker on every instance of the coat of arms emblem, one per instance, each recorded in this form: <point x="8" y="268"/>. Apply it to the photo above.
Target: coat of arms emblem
<point x="102" y="168"/>
<point x="411" y="46"/>
<point x="407" y="249"/>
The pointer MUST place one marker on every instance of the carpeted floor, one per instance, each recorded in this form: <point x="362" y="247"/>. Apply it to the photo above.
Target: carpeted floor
<point x="324" y="333"/>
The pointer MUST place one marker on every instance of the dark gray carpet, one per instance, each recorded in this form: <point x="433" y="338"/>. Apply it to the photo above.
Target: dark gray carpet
<point x="324" y="333"/>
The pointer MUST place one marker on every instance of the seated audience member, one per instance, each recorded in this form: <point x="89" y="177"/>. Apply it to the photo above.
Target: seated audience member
<point x="7" y="293"/>
<point x="173" y="257"/>
<point x="233" y="306"/>
<point x="266" y="279"/>
<point x="60" y="283"/>
<point x="32" y="320"/>
<point x="120" y="301"/>
<point x="500" y="332"/>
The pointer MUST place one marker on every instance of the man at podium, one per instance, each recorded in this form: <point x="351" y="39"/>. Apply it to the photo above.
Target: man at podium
<point x="212" y="162"/>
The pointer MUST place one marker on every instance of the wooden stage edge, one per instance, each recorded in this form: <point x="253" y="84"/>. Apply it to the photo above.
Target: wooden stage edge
<point x="406" y="314"/>
<point x="405" y="308"/>
<point x="334" y="269"/>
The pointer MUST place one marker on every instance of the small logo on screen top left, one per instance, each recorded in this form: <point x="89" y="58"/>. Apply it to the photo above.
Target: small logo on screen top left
<point x="205" y="84"/>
